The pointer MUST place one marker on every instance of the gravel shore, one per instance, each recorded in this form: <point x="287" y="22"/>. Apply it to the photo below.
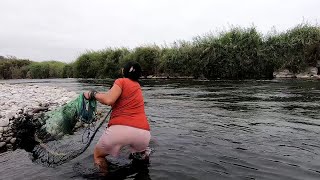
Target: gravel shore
<point x="17" y="100"/>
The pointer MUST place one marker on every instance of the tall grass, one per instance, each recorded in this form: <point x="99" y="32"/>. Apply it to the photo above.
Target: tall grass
<point x="239" y="53"/>
<point x="295" y="49"/>
<point x="13" y="68"/>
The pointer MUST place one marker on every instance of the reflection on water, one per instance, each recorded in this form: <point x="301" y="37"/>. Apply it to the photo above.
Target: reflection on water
<point x="212" y="130"/>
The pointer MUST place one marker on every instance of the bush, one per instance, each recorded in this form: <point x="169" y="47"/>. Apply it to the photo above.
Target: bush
<point x="239" y="53"/>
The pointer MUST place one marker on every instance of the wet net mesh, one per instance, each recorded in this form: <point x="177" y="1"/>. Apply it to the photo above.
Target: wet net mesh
<point x="52" y="137"/>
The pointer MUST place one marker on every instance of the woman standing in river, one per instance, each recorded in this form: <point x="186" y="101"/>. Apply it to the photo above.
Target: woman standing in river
<point x="128" y="123"/>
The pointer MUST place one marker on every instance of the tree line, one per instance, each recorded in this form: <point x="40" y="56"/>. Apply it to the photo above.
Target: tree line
<point x="239" y="53"/>
<point x="13" y="68"/>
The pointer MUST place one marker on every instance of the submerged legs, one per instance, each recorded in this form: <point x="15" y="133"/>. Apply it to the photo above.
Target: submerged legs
<point x="100" y="160"/>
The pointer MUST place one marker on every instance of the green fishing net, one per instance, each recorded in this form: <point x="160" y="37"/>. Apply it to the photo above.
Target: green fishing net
<point x="62" y="120"/>
<point x="52" y="137"/>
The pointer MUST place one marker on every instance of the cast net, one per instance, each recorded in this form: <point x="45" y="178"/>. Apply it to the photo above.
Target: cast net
<point x="60" y="135"/>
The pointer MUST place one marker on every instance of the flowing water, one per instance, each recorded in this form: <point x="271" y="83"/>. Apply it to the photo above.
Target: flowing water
<point x="210" y="130"/>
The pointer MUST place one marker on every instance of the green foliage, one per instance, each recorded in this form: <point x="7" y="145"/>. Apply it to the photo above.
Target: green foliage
<point x="107" y="63"/>
<point x="12" y="68"/>
<point x="100" y="64"/>
<point x="239" y="53"/>
<point x="112" y="62"/>
<point x="47" y="69"/>
<point x="87" y="65"/>
<point x="148" y="57"/>
<point x="68" y="71"/>
<point x="295" y="49"/>
<point x="180" y="60"/>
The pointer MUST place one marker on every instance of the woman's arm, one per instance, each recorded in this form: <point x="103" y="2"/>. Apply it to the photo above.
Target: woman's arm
<point x="108" y="98"/>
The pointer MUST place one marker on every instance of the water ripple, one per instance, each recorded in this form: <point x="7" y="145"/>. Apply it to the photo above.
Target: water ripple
<point x="212" y="130"/>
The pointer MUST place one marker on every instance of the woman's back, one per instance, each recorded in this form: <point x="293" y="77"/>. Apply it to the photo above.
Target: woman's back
<point x="129" y="108"/>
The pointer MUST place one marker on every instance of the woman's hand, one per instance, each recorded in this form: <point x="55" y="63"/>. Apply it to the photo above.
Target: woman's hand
<point x="108" y="98"/>
<point x="90" y="94"/>
<point x="87" y="95"/>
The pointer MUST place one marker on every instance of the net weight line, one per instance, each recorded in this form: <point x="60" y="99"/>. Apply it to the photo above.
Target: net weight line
<point x="42" y="153"/>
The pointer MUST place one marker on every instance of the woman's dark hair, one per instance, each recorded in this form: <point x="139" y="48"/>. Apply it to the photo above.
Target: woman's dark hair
<point x="132" y="70"/>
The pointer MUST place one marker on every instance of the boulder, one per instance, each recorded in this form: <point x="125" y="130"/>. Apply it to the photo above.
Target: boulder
<point x="303" y="76"/>
<point x="10" y="114"/>
<point x="13" y="140"/>
<point x="4" y="122"/>
<point x="310" y="72"/>
<point x="5" y="129"/>
<point x="2" y="144"/>
<point x="9" y="146"/>
<point x="285" y="73"/>
<point x="8" y="139"/>
<point x="313" y="70"/>
<point x="20" y="111"/>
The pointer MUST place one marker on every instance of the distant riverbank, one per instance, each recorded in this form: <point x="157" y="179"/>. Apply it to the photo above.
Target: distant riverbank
<point x="239" y="53"/>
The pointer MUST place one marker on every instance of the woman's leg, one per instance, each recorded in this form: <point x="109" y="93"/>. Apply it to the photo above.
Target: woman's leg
<point x="108" y="144"/>
<point x="140" y="143"/>
<point x="99" y="156"/>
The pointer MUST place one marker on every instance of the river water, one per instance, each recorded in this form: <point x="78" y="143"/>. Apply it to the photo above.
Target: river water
<point x="210" y="130"/>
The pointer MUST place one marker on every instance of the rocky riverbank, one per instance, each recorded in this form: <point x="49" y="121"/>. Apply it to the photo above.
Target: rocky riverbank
<point x="309" y="73"/>
<point x="20" y="100"/>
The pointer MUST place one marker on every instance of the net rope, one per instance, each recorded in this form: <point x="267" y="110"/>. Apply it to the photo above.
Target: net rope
<point x="52" y="139"/>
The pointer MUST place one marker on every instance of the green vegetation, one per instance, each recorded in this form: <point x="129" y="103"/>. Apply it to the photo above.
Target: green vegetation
<point x="100" y="64"/>
<point x="296" y="49"/>
<point x="240" y="53"/>
<point x="47" y="69"/>
<point x="13" y="68"/>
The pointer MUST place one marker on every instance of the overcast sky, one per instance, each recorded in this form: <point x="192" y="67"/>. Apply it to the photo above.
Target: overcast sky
<point x="62" y="29"/>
